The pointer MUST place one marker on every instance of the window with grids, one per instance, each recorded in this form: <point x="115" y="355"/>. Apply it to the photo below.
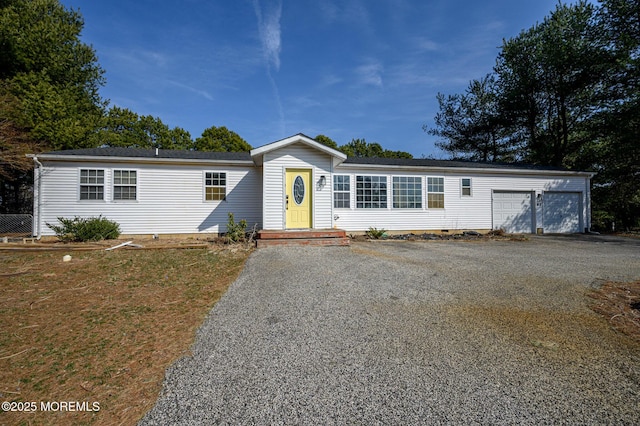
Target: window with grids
<point x="466" y="187"/>
<point x="435" y="193"/>
<point x="371" y="192"/>
<point x="125" y="185"/>
<point x="91" y="184"/>
<point x="215" y="186"/>
<point x="407" y="192"/>
<point x="341" y="192"/>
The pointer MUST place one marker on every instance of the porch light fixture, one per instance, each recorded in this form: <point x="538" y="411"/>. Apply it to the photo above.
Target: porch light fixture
<point x="323" y="181"/>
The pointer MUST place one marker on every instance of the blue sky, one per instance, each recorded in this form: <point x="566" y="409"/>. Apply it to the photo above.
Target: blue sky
<point x="268" y="69"/>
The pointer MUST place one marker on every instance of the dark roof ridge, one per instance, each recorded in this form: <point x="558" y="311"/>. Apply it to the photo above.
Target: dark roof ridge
<point x="124" y="152"/>
<point x="461" y="163"/>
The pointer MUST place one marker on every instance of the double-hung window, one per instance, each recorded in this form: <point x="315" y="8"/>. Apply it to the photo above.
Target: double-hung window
<point x="91" y="184"/>
<point x="215" y="186"/>
<point x="125" y="185"/>
<point x="407" y="192"/>
<point x="371" y="192"/>
<point x="465" y="187"/>
<point x="341" y="192"/>
<point x="435" y="192"/>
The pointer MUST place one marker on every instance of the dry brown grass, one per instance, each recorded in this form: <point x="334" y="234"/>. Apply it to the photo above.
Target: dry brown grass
<point x="619" y="303"/>
<point x="103" y="327"/>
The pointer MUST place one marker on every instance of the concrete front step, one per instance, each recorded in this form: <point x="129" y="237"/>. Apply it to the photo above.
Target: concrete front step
<point x="303" y="237"/>
<point x="327" y="241"/>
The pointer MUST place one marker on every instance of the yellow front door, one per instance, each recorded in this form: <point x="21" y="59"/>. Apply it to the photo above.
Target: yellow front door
<point x="298" y="198"/>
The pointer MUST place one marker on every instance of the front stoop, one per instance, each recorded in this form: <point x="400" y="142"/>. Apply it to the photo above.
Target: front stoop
<point x="303" y="237"/>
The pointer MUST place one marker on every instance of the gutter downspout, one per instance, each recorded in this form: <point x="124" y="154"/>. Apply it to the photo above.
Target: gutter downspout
<point x="37" y="202"/>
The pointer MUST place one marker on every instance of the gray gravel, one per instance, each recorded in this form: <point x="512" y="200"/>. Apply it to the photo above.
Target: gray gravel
<point x="414" y="333"/>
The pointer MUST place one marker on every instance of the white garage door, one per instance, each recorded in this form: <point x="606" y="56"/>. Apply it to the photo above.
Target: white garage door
<point x="513" y="211"/>
<point x="561" y="212"/>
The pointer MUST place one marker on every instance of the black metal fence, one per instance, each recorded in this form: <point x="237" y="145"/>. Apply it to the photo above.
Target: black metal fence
<point x="16" y="225"/>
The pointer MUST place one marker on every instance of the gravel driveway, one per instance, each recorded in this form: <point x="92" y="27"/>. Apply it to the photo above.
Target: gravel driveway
<point x="493" y="332"/>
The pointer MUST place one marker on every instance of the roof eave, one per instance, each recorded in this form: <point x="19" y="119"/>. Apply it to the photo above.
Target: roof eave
<point x="153" y="160"/>
<point x="471" y="169"/>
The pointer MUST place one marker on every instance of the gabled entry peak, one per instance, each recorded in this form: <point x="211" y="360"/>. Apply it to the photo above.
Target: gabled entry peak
<point x="257" y="154"/>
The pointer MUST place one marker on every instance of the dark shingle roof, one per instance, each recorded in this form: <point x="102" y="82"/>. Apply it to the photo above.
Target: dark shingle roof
<point x="151" y="153"/>
<point x="246" y="156"/>
<point x="426" y="162"/>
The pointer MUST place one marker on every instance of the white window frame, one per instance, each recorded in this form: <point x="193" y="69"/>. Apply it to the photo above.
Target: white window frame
<point x="123" y="185"/>
<point x="380" y="204"/>
<point x="346" y="181"/>
<point x="96" y="181"/>
<point x="429" y="192"/>
<point x="205" y="181"/>
<point x="463" y="187"/>
<point x="400" y="193"/>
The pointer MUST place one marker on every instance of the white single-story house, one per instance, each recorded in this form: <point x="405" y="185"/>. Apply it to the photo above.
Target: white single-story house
<point x="298" y="183"/>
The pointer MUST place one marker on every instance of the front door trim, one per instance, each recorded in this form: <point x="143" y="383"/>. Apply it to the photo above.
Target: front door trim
<point x="299" y="198"/>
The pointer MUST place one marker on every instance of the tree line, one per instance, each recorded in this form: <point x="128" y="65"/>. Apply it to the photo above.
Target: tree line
<point x="565" y="93"/>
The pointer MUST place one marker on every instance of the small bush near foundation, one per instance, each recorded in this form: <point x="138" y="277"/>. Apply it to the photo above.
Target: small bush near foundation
<point x="81" y="229"/>
<point x="497" y="232"/>
<point x="236" y="232"/>
<point x="375" y="233"/>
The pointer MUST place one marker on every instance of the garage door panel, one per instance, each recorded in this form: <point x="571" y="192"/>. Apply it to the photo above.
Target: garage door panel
<point x="513" y="212"/>
<point x="562" y="212"/>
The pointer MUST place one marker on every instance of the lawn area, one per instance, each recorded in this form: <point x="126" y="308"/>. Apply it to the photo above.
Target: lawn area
<point x="101" y="328"/>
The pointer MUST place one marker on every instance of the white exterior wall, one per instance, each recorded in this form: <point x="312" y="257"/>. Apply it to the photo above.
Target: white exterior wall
<point x="170" y="198"/>
<point x="300" y="156"/>
<point x="460" y="212"/>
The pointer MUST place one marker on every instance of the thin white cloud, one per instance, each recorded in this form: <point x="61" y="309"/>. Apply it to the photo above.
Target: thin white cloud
<point x="370" y="73"/>
<point x="198" y="92"/>
<point x="352" y="12"/>
<point x="269" y="31"/>
<point x="270" y="38"/>
<point x="426" y="45"/>
<point x="329" y="80"/>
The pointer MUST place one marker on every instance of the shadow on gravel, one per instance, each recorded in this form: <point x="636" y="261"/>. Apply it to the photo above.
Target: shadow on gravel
<point x="591" y="238"/>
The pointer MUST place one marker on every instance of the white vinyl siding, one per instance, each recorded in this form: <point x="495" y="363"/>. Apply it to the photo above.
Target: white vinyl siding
<point x="407" y="192"/>
<point x="169" y="198"/>
<point x="459" y="213"/>
<point x="296" y="156"/>
<point x="125" y="185"/>
<point x="91" y="184"/>
<point x="170" y="195"/>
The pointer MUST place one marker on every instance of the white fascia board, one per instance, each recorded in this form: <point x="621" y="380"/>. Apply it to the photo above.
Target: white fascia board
<point x="468" y="170"/>
<point x="156" y="160"/>
<point x="258" y="153"/>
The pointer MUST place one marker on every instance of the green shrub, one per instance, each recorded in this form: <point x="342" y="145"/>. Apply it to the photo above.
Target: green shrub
<point x="85" y="229"/>
<point x="236" y="231"/>
<point x="375" y="233"/>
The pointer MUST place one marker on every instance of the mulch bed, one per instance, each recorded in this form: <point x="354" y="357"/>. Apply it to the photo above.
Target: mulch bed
<point x="619" y="303"/>
<point x="466" y="235"/>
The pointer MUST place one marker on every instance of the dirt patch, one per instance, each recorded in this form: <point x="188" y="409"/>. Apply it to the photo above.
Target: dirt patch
<point x="464" y="236"/>
<point x="565" y="335"/>
<point x="619" y="303"/>
<point x="103" y="327"/>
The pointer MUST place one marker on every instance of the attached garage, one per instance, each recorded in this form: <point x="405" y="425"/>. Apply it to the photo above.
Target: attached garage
<point x="513" y="211"/>
<point x="561" y="212"/>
